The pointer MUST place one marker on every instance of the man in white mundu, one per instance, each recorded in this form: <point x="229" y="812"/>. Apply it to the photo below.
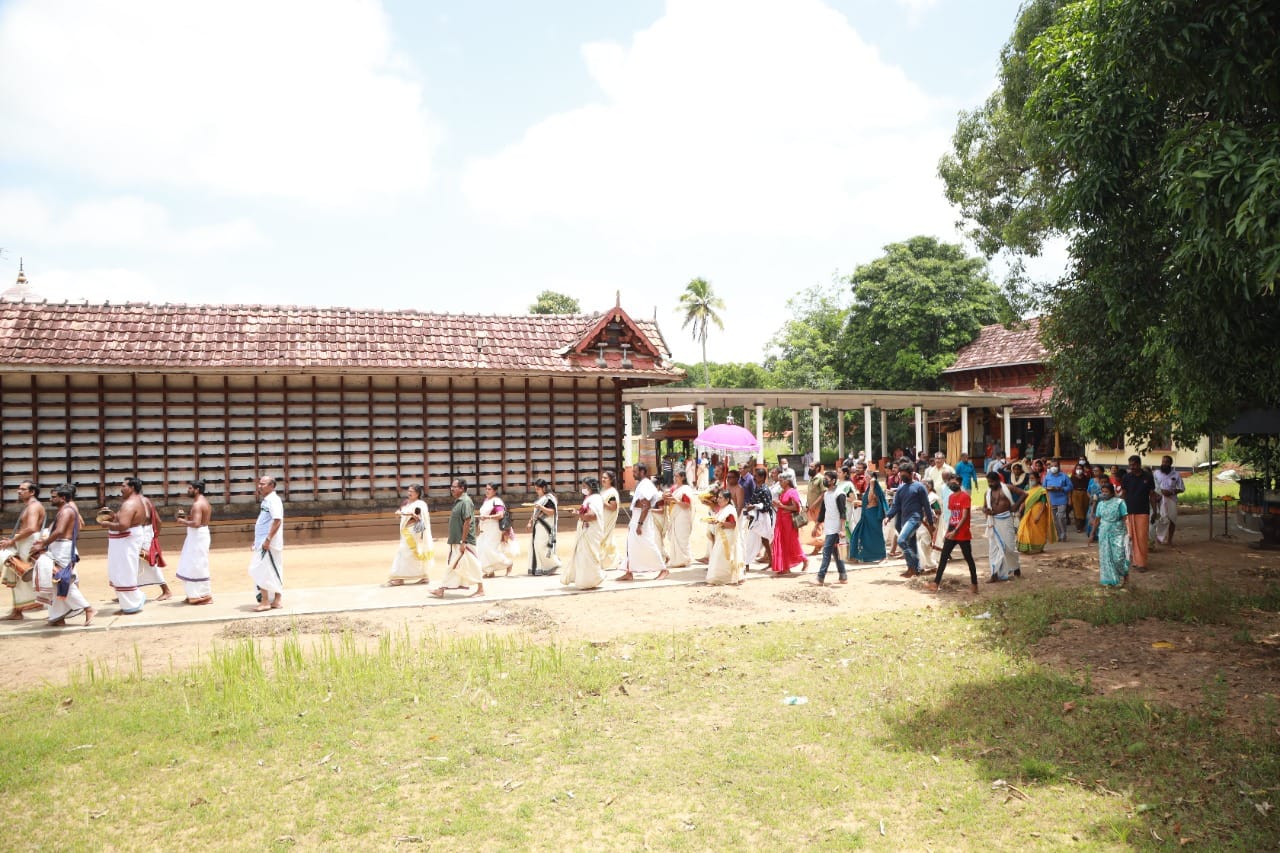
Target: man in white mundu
<point x="25" y="534"/>
<point x="127" y="531"/>
<point x="643" y="553"/>
<point x="193" y="563"/>
<point x="58" y="551"/>
<point x="267" y="566"/>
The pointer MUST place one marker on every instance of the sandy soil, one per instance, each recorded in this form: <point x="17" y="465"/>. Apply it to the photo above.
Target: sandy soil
<point x="1235" y="667"/>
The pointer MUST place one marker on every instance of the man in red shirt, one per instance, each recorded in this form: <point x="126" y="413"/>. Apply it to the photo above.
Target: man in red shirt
<point x="958" y="533"/>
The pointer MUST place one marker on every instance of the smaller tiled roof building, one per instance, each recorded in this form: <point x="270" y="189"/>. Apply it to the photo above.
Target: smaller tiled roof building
<point x="344" y="407"/>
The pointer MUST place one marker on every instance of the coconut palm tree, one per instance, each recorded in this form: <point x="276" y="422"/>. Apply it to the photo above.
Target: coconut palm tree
<point x="700" y="305"/>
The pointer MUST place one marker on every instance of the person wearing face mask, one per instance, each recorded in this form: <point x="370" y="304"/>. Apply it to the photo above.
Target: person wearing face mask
<point x="1169" y="485"/>
<point x="959" y="532"/>
<point x="1058" y="485"/>
<point x="586" y="569"/>
<point x="1036" y="529"/>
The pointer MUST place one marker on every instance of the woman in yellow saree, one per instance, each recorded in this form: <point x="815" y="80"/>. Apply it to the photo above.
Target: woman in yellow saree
<point x="1036" y="530"/>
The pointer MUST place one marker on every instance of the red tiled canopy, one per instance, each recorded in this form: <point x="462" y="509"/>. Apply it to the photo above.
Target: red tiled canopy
<point x="997" y="346"/>
<point x="143" y="336"/>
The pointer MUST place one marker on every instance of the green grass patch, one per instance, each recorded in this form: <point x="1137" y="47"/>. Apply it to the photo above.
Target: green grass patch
<point x="917" y="734"/>
<point x="1024" y="619"/>
<point x="1197" y="493"/>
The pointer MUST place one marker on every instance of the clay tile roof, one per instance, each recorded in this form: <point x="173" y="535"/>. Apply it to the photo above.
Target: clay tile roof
<point x="143" y="336"/>
<point x="997" y="346"/>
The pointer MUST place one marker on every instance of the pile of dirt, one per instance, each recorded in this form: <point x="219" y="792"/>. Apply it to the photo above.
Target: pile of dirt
<point x="809" y="595"/>
<point x="279" y="626"/>
<point x="721" y="599"/>
<point x="533" y="618"/>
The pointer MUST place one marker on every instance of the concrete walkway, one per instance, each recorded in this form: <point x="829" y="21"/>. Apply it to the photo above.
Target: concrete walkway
<point x="235" y="602"/>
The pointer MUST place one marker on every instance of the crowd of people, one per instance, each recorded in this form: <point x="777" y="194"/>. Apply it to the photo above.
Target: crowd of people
<point x="729" y="518"/>
<point x="40" y="561"/>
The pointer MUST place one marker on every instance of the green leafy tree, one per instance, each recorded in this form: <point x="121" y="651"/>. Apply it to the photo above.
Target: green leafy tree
<point x="1145" y="134"/>
<point x="805" y="351"/>
<point x="913" y="308"/>
<point x="550" y="302"/>
<point x="700" y="304"/>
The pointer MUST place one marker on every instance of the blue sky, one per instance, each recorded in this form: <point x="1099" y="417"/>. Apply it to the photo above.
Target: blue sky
<point x="462" y="157"/>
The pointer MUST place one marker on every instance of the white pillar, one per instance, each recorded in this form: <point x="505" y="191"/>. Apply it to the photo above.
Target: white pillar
<point x="795" y="431"/>
<point x="1007" y="413"/>
<point x="817" y="451"/>
<point x="866" y="432"/>
<point x="626" y="435"/>
<point x="919" y="430"/>
<point x="644" y="423"/>
<point x="840" y="433"/>
<point x="884" y="433"/>
<point x="760" y="432"/>
<point x="964" y="429"/>
<point x="702" y="415"/>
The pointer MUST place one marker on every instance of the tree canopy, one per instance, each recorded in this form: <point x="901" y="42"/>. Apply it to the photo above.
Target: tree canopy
<point x="550" y="302"/>
<point x="700" y="305"/>
<point x="1146" y="134"/>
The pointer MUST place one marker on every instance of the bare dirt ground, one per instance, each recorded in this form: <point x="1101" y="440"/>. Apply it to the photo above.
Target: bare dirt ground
<point x="1230" y="668"/>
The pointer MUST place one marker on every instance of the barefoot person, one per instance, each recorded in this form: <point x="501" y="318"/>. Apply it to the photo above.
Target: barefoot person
<point x="127" y="530"/>
<point x="586" y="570"/>
<point x="724" y="560"/>
<point x="493" y="523"/>
<point x="786" y="551"/>
<point x="267" y="566"/>
<point x="464" y="566"/>
<point x="60" y="550"/>
<point x="1000" y="505"/>
<point x="193" y="562"/>
<point x="643" y="553"/>
<point x="25" y="535"/>
<point x="151" y="559"/>
<point x="413" y="554"/>
<point x="544" y="522"/>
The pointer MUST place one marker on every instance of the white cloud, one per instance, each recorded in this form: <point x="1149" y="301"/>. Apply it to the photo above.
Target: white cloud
<point x="916" y="9"/>
<point x="121" y="222"/>
<point x="736" y="117"/>
<point x="296" y="99"/>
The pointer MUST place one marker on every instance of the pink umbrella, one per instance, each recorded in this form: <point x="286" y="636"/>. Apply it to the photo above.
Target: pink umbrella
<point x="728" y="437"/>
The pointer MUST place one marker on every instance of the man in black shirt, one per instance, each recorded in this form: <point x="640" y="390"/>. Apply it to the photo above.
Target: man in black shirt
<point x="1139" y="487"/>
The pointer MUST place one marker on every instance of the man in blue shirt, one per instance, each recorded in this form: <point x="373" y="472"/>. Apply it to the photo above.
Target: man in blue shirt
<point x="967" y="473"/>
<point x="1058" y="485"/>
<point x="910" y="508"/>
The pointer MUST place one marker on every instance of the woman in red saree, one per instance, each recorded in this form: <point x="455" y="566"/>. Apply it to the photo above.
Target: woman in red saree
<point x="787" y="553"/>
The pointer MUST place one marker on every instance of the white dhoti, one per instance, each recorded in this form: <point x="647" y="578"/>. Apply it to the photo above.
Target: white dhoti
<point x="413" y="558"/>
<point x="1163" y="518"/>
<point x="924" y="549"/>
<point x="43" y="579"/>
<point x="678" y="532"/>
<point x="585" y="570"/>
<point x="23" y="585"/>
<point x="193" y="564"/>
<point x="148" y="575"/>
<point x="1003" y="545"/>
<point x="755" y="533"/>
<point x="122" y="567"/>
<point x="724" y="560"/>
<point x="464" y="567"/>
<point x="267" y="571"/>
<point x="643" y="553"/>
<point x="73" y="603"/>
<point x="489" y="550"/>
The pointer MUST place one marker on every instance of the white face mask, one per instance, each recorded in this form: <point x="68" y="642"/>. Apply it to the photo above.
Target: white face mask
<point x="1053" y="470"/>
<point x="585" y="491"/>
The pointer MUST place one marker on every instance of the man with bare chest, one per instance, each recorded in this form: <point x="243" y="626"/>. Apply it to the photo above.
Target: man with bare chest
<point x="999" y="506"/>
